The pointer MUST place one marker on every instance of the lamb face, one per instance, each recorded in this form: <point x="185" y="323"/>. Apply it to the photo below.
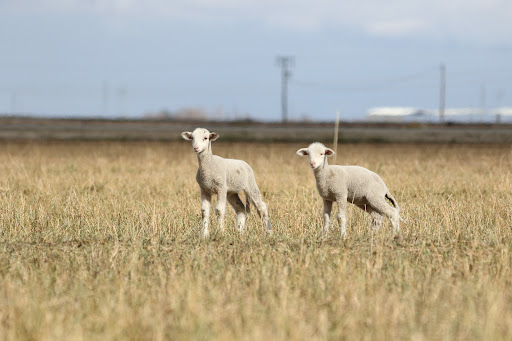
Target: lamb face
<point x="317" y="153"/>
<point x="201" y="139"/>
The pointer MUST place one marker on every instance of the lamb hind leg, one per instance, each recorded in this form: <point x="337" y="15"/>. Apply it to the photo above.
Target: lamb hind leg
<point x="376" y="216"/>
<point x="263" y="213"/>
<point x="239" y="207"/>
<point x="261" y="207"/>
<point x="382" y="207"/>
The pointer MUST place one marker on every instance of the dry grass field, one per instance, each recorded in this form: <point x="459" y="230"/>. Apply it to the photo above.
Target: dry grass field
<point x="101" y="240"/>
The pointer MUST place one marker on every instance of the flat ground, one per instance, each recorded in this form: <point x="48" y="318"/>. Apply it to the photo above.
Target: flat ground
<point x="101" y="240"/>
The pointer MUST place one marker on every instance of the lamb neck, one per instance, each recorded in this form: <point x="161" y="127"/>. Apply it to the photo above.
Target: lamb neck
<point x="204" y="158"/>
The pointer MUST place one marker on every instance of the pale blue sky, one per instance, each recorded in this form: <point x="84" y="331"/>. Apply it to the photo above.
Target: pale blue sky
<point x="219" y="55"/>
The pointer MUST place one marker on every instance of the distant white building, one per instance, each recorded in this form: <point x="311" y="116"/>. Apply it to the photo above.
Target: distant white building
<point x="411" y="114"/>
<point x="399" y="114"/>
<point x="504" y="115"/>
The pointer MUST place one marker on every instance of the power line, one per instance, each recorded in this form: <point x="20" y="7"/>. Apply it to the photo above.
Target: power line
<point x="384" y="84"/>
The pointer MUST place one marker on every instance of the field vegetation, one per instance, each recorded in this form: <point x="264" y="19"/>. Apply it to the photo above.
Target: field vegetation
<point x="101" y="240"/>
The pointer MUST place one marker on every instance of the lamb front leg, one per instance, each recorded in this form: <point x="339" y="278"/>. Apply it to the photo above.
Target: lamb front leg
<point x="342" y="216"/>
<point x="206" y="199"/>
<point x="327" y="214"/>
<point x="220" y="208"/>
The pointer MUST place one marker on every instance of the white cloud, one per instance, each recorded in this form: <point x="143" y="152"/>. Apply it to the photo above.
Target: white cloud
<point x="476" y="21"/>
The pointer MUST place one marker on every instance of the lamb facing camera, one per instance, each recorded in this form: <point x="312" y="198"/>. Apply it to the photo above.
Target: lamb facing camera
<point x="226" y="178"/>
<point x="353" y="184"/>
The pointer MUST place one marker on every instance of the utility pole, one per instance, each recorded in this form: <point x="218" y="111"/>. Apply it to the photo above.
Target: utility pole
<point x="442" y="93"/>
<point x="499" y="97"/>
<point x="284" y="62"/>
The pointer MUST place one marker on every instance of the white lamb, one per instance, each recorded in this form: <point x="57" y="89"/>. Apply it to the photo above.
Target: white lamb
<point x="226" y="178"/>
<point x="354" y="184"/>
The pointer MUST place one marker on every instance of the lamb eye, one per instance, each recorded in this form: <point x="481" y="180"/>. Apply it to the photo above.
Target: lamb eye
<point x="205" y="138"/>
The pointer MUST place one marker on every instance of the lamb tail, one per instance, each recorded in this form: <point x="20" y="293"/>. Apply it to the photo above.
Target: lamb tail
<point x="392" y="200"/>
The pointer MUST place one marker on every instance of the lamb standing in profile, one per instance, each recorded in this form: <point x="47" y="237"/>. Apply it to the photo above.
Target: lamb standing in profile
<point x="226" y="178"/>
<point x="354" y="184"/>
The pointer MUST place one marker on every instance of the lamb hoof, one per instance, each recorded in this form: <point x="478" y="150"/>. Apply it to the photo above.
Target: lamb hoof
<point x="269" y="227"/>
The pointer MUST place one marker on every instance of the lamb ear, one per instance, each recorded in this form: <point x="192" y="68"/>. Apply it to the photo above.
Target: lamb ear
<point x="302" y="152"/>
<point x="329" y="152"/>
<point x="187" y="135"/>
<point x="214" y="136"/>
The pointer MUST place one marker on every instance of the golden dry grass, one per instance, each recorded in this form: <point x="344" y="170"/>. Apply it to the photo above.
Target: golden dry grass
<point x="101" y="240"/>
